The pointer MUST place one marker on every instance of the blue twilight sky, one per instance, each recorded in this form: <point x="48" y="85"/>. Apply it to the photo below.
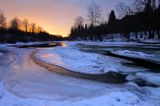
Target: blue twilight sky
<point x="55" y="16"/>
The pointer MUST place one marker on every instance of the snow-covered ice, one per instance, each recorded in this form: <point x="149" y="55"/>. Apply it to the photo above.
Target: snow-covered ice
<point x="29" y="43"/>
<point x="75" y="60"/>
<point x="91" y="63"/>
<point x="152" y="41"/>
<point x="133" y="54"/>
<point x="110" y="43"/>
<point x="150" y="77"/>
<point x="1" y="54"/>
<point x="27" y="84"/>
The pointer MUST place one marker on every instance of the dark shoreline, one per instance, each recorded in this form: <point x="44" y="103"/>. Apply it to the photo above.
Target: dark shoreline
<point x="154" y="66"/>
<point x="43" y="45"/>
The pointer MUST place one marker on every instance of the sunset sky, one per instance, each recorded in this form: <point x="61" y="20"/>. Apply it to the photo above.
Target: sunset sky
<point x="55" y="16"/>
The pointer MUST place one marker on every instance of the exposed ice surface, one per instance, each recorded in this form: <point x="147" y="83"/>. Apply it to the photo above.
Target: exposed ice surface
<point x="29" y="43"/>
<point x="117" y="43"/>
<point x="152" y="41"/>
<point x="150" y="77"/>
<point x="1" y="54"/>
<point x="21" y="44"/>
<point x="135" y="54"/>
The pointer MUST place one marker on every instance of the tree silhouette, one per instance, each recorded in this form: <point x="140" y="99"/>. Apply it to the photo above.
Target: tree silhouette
<point x="33" y="27"/>
<point x="2" y="21"/>
<point x="22" y="31"/>
<point x="142" y="21"/>
<point x="40" y="29"/>
<point x="123" y="9"/>
<point x="139" y="5"/>
<point x="94" y="14"/>
<point x="112" y="17"/>
<point x="25" y="24"/>
<point x="15" y="24"/>
<point x="79" y="21"/>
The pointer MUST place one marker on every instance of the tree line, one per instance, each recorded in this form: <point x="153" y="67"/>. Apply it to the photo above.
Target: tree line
<point x="140" y="19"/>
<point x="22" y="31"/>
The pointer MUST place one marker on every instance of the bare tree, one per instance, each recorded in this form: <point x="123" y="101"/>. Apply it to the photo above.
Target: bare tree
<point x="39" y="29"/>
<point x="15" y="24"/>
<point x="25" y="24"/>
<point x="123" y="9"/>
<point x="2" y="21"/>
<point x="139" y="5"/>
<point x="154" y="4"/>
<point x="33" y="27"/>
<point x="79" y="21"/>
<point x="94" y="14"/>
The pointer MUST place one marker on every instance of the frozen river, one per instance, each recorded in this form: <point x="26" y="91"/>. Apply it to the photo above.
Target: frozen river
<point x="24" y="83"/>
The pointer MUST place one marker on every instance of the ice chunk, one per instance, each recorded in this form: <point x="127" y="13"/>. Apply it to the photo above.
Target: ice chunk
<point x="1" y="54"/>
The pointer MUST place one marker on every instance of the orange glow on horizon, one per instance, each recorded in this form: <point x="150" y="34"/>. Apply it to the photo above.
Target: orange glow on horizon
<point x="56" y="19"/>
<point x="55" y="16"/>
<point x="57" y="32"/>
<point x="51" y="28"/>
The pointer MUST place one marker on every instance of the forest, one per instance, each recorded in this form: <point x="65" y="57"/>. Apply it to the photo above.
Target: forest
<point x="22" y="31"/>
<point x="141" y="20"/>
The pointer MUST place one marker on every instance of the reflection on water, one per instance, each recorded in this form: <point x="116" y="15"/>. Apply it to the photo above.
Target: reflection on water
<point x="63" y="44"/>
<point x="52" y="58"/>
<point x="46" y="55"/>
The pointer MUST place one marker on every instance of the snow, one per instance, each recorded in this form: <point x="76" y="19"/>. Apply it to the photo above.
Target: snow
<point x="133" y="53"/>
<point x="27" y="84"/>
<point x="29" y="43"/>
<point x="5" y="45"/>
<point x="27" y="80"/>
<point x="21" y="44"/>
<point x="35" y="82"/>
<point x="116" y="98"/>
<point x="75" y="60"/>
<point x="153" y="78"/>
<point x="152" y="41"/>
<point x="1" y="54"/>
<point x="108" y="43"/>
